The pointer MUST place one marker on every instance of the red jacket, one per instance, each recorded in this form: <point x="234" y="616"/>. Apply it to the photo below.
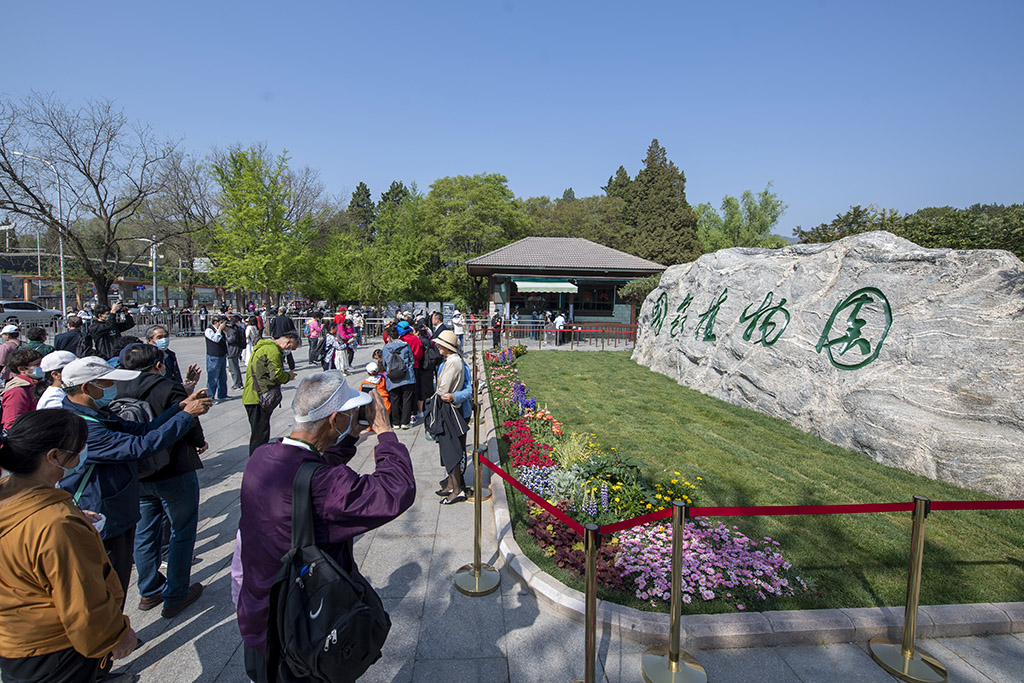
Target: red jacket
<point x="18" y="399"/>
<point x="416" y="345"/>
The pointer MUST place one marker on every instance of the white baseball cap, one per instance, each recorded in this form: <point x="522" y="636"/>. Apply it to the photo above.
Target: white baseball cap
<point x="344" y="398"/>
<point x="55" y="360"/>
<point x="9" y="329"/>
<point x="90" y="369"/>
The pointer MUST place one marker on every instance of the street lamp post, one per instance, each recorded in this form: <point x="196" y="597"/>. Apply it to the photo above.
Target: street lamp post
<point x="60" y="235"/>
<point x="153" y="244"/>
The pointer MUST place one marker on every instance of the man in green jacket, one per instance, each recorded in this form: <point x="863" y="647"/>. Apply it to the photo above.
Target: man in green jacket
<point x="266" y="368"/>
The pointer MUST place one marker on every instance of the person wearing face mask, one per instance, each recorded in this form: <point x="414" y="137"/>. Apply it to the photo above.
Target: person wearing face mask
<point x="18" y="397"/>
<point x="172" y="491"/>
<point x="158" y="336"/>
<point x="60" y="601"/>
<point x="52" y="365"/>
<point x="264" y="373"/>
<point x="110" y="481"/>
<point x="345" y="503"/>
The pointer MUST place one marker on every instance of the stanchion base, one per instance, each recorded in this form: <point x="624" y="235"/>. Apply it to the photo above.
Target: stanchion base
<point x="485" y="494"/>
<point x="475" y="586"/>
<point x="921" y="668"/>
<point x="656" y="669"/>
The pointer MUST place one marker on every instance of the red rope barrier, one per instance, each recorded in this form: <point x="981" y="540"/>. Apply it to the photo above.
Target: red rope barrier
<point x="978" y="505"/>
<point x="564" y="518"/>
<point x="637" y="521"/>
<point x="767" y="510"/>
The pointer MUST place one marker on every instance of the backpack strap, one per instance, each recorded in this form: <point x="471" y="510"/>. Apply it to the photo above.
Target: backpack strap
<point x="88" y="473"/>
<point x="302" y="505"/>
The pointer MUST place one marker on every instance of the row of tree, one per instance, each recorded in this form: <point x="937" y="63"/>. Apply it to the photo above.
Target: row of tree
<point x="981" y="226"/>
<point x="245" y="220"/>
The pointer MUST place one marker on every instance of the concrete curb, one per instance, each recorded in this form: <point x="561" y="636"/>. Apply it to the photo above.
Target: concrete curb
<point x="742" y="629"/>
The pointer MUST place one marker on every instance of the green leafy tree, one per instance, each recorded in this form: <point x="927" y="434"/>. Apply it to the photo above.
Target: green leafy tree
<point x="255" y="246"/>
<point x="395" y="195"/>
<point x="619" y="185"/>
<point x="661" y="225"/>
<point x="362" y="211"/>
<point x="635" y="291"/>
<point x="469" y="216"/>
<point x="857" y="220"/>
<point x="746" y="222"/>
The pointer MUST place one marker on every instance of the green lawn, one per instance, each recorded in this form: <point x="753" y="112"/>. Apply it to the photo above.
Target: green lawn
<point x="746" y="458"/>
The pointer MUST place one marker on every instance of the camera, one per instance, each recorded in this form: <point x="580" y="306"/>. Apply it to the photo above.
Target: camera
<point x="363" y="419"/>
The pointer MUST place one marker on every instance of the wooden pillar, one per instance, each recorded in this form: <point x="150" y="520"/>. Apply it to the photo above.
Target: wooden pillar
<point x="26" y="287"/>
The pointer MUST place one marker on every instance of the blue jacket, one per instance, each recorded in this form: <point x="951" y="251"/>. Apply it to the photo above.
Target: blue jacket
<point x="115" y="447"/>
<point x="405" y="352"/>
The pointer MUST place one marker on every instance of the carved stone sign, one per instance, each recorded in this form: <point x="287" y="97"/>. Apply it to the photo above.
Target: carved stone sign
<point x="911" y="356"/>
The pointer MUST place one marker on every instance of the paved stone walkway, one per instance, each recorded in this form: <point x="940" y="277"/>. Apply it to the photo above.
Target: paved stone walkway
<point x="438" y="633"/>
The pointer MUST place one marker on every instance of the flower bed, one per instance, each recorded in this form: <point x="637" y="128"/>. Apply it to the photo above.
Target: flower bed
<point x="594" y="484"/>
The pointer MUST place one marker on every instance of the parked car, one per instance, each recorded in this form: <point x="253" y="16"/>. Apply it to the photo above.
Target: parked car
<point x="27" y="313"/>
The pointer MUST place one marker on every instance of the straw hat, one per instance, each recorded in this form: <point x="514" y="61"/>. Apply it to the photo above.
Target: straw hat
<point x="448" y="340"/>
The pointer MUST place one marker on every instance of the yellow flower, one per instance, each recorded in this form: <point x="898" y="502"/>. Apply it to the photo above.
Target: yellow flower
<point x="677" y="474"/>
<point x="674" y="481"/>
<point x="616" y="500"/>
<point x="648" y="506"/>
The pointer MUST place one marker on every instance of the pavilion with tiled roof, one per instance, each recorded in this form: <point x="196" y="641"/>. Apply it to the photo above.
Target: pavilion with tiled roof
<point x="569" y="274"/>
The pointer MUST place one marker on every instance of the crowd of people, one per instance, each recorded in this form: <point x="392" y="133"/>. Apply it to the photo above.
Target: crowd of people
<point x="102" y="441"/>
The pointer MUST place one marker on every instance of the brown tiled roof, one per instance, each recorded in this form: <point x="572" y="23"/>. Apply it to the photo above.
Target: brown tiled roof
<point x="572" y="253"/>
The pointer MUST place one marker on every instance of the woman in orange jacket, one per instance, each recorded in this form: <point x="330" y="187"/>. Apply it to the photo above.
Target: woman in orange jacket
<point x="60" y="599"/>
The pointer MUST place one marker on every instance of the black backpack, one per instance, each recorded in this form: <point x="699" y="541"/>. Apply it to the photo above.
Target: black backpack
<point x="137" y="410"/>
<point x="84" y="346"/>
<point x="397" y="368"/>
<point x="325" y="623"/>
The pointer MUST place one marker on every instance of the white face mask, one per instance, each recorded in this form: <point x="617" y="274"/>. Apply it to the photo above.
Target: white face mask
<point x="348" y="429"/>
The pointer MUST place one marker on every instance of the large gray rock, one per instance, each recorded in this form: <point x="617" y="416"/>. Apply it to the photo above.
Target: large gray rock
<point x="911" y="356"/>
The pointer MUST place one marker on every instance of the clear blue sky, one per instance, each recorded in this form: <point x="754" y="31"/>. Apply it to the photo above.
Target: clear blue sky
<point x="900" y="104"/>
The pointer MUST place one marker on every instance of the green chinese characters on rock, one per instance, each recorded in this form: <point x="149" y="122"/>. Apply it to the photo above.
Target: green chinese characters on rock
<point x="707" y="318"/>
<point x="868" y="307"/>
<point x="680" y="319"/>
<point x="660" y="313"/>
<point x="770" y="329"/>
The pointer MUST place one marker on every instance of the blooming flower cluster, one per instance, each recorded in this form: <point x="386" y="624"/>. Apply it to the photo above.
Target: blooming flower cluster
<point x="718" y="563"/>
<point x="574" y="472"/>
<point x="523" y="449"/>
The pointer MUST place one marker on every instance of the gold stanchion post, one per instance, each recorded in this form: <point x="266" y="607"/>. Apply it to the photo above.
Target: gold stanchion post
<point x="485" y="493"/>
<point x="904" y="660"/>
<point x="676" y="666"/>
<point x="591" y="545"/>
<point x="478" y="578"/>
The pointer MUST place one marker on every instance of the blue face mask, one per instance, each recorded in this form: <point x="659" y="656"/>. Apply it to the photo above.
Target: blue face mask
<point x="163" y="344"/>
<point x="81" y="463"/>
<point x="109" y="394"/>
<point x="36" y="373"/>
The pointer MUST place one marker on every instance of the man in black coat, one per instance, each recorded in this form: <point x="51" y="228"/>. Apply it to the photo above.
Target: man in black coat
<point x="278" y="326"/>
<point x="107" y="327"/>
<point x="172" y="491"/>
<point x="68" y="341"/>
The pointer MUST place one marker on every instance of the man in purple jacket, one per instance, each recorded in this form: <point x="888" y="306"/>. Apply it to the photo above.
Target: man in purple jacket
<point x="345" y="504"/>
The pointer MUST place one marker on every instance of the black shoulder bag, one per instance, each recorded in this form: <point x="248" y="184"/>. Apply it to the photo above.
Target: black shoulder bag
<point x="325" y="623"/>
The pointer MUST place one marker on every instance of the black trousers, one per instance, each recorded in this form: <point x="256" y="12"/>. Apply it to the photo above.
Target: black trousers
<point x="401" y="404"/>
<point x="63" y="666"/>
<point x="259" y="426"/>
<point x="120" y="551"/>
<point x="497" y="340"/>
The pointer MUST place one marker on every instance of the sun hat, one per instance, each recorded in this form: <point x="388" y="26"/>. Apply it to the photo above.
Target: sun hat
<point x="9" y="329"/>
<point x="344" y="398"/>
<point x="448" y="340"/>
<point x="371" y="368"/>
<point x="90" y="369"/>
<point x="55" y="360"/>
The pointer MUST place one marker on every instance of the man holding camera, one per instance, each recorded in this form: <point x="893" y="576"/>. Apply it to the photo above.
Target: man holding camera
<point x="108" y="325"/>
<point x="216" y="359"/>
<point x="345" y="503"/>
